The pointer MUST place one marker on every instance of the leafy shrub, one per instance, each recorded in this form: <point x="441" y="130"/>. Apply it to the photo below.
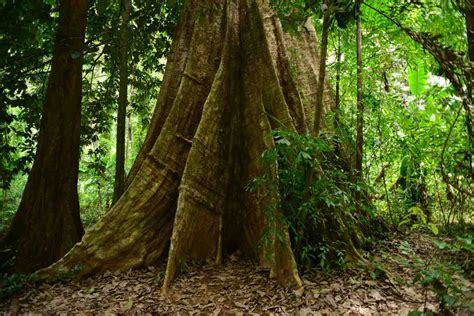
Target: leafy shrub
<point x="12" y="283"/>
<point x="322" y="211"/>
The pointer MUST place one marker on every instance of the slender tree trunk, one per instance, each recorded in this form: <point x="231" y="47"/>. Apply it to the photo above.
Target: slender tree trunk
<point x="3" y="200"/>
<point x="322" y="71"/>
<point x="99" y="192"/>
<point x="47" y="223"/>
<point x="338" y="82"/>
<point x="119" y="184"/>
<point x="360" y="101"/>
<point x="129" y="142"/>
<point x="469" y="14"/>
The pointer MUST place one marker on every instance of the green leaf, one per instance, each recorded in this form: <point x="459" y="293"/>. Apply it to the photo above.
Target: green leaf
<point x="466" y="240"/>
<point x="306" y="156"/>
<point x="448" y="299"/>
<point x="418" y="212"/>
<point x="441" y="245"/>
<point x="404" y="222"/>
<point x="283" y="141"/>
<point x="417" y="79"/>
<point x="434" y="229"/>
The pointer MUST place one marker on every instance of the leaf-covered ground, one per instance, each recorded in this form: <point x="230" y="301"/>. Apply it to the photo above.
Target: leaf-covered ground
<point x="238" y="286"/>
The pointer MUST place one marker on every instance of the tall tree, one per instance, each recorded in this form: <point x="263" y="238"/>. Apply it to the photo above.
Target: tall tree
<point x="360" y="101"/>
<point x="122" y="102"/>
<point x="469" y="14"/>
<point x="230" y="79"/>
<point x="322" y="67"/>
<point x="47" y="223"/>
<point x="338" y="81"/>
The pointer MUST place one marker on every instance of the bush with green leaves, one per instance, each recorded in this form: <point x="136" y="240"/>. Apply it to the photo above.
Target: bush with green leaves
<point x="12" y="283"/>
<point x="324" y="217"/>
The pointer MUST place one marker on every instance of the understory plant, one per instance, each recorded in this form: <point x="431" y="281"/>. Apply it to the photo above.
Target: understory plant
<point x="444" y="279"/>
<point x="326" y="215"/>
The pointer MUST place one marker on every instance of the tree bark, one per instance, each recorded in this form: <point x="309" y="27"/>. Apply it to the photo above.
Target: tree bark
<point x="360" y="100"/>
<point x="319" y="110"/>
<point x="231" y="77"/>
<point x="322" y="71"/>
<point x="119" y="183"/>
<point x="470" y="28"/>
<point x="469" y="14"/>
<point x="337" y="109"/>
<point x="47" y="223"/>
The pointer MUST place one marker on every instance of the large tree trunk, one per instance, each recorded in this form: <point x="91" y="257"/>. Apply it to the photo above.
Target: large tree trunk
<point x="47" y="223"/>
<point x="232" y="76"/>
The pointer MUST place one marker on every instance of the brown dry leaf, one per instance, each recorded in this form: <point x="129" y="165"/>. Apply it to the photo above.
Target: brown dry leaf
<point x="371" y="283"/>
<point x="299" y="291"/>
<point x="330" y="300"/>
<point x="410" y="292"/>
<point x="240" y="305"/>
<point x="336" y="286"/>
<point x="376" y="295"/>
<point x="261" y="293"/>
<point x="347" y="304"/>
<point x="364" y="311"/>
<point x="305" y="311"/>
<point x="176" y="297"/>
<point x="308" y="282"/>
<point x="343" y="293"/>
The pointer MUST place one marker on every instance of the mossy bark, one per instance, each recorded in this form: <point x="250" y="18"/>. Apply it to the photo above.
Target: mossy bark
<point x="232" y="76"/>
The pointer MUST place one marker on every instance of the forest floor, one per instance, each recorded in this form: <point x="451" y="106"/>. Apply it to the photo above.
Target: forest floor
<point x="239" y="287"/>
